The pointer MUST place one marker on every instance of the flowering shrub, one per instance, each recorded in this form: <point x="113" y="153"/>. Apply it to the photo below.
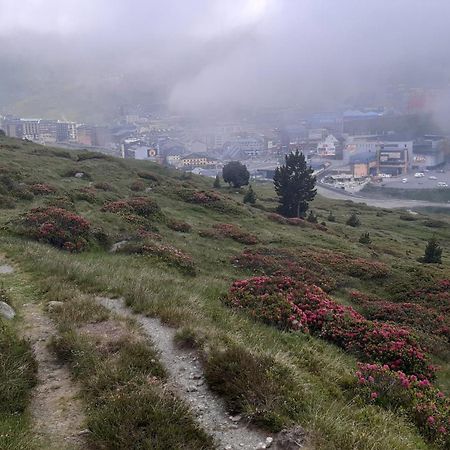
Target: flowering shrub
<point x="86" y="194"/>
<point x="355" y="267"/>
<point x="436" y="295"/>
<point x="57" y="227"/>
<point x="425" y="318"/>
<point x="42" y="189"/>
<point x="428" y="407"/>
<point x="280" y="262"/>
<point x="137" y="186"/>
<point x="290" y="304"/>
<point x="142" y="206"/>
<point x="179" y="225"/>
<point x="231" y="231"/>
<point x="103" y="186"/>
<point x="209" y="199"/>
<point x="167" y="253"/>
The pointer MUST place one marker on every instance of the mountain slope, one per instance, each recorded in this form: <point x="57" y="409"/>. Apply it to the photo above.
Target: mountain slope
<point x="181" y="245"/>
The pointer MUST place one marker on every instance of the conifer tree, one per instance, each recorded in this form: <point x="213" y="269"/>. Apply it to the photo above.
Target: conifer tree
<point x="294" y="185"/>
<point x="433" y="252"/>
<point x="250" y="196"/>
<point x="216" y="183"/>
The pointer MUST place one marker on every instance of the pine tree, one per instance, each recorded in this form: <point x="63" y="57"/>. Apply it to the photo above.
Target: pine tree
<point x="250" y="196"/>
<point x="353" y="220"/>
<point x="331" y="217"/>
<point x="294" y="185"/>
<point x="433" y="252"/>
<point x="216" y="183"/>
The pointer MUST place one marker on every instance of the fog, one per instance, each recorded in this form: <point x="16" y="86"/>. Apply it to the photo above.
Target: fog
<point x="85" y="58"/>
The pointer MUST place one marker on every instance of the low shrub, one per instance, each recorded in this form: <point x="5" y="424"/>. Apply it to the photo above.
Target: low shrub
<point x="55" y="226"/>
<point x="148" y="176"/>
<point x="141" y="206"/>
<point x="281" y="262"/>
<point x="293" y="305"/>
<point x="421" y="317"/>
<point x="137" y="186"/>
<point x="104" y="186"/>
<point x="427" y="407"/>
<point x="255" y="385"/>
<point x="86" y="194"/>
<point x="167" y="253"/>
<point x="42" y="189"/>
<point x="208" y="199"/>
<point x="179" y="225"/>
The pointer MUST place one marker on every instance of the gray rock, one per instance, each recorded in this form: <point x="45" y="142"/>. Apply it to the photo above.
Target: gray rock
<point x="52" y="305"/>
<point x="290" y="439"/>
<point x="117" y="246"/>
<point x="6" y="268"/>
<point x="6" y="311"/>
<point x="79" y="175"/>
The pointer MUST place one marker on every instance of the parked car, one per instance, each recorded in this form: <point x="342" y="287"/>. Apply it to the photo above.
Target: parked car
<point x="419" y="174"/>
<point x="432" y="177"/>
<point x="442" y="184"/>
<point x="404" y="180"/>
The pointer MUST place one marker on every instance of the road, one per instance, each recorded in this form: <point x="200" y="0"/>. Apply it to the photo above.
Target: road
<point x="389" y="203"/>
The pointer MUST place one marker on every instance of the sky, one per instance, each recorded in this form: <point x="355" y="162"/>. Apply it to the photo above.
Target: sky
<point x="206" y="55"/>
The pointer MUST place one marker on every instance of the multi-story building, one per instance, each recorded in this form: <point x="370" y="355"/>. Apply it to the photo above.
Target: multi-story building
<point x="30" y="129"/>
<point x="66" y="131"/>
<point x="47" y="131"/>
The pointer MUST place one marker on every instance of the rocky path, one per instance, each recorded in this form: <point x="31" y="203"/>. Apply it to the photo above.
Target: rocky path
<point x="186" y="377"/>
<point x="56" y="411"/>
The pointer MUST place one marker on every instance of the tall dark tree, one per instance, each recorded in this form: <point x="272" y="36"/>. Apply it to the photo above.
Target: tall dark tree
<point x="295" y="185"/>
<point x="236" y="174"/>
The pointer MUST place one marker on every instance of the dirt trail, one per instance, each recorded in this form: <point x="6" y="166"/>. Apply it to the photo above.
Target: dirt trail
<point x="186" y="377"/>
<point x="55" y="409"/>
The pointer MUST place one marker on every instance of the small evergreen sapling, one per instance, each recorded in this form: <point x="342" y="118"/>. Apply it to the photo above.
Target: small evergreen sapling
<point x="331" y="217"/>
<point x="216" y="183"/>
<point x="365" y="239"/>
<point x="353" y="220"/>
<point x="433" y="252"/>
<point x="250" y="196"/>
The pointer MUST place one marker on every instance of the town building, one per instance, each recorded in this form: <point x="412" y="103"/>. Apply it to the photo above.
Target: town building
<point x="30" y="129"/>
<point x="429" y="152"/>
<point x="393" y="158"/>
<point x="198" y="160"/>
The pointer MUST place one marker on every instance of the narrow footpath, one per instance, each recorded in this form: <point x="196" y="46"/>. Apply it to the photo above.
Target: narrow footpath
<point x="187" y="379"/>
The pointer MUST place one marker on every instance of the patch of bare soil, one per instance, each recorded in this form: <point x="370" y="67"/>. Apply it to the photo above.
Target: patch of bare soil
<point x="55" y="409"/>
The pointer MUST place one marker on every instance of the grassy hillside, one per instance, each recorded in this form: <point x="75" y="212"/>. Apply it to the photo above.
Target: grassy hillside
<point x="181" y="247"/>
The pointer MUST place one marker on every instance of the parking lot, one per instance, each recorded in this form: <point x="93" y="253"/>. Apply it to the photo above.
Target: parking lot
<point x="419" y="183"/>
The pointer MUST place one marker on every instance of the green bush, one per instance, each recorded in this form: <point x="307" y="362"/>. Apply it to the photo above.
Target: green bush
<point x="255" y="385"/>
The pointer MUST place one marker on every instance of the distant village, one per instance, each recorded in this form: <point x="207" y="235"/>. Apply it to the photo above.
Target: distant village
<point x="355" y="144"/>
